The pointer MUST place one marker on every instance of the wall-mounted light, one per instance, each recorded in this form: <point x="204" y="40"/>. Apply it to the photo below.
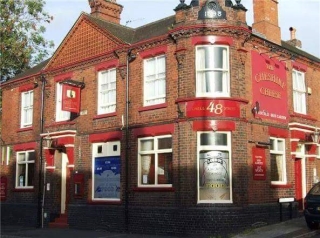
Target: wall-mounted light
<point x="35" y="83"/>
<point x="48" y="141"/>
<point x="315" y="136"/>
<point x="255" y="110"/>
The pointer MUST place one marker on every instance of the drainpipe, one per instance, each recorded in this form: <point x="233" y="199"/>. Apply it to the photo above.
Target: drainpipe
<point x="41" y="194"/>
<point x="130" y="58"/>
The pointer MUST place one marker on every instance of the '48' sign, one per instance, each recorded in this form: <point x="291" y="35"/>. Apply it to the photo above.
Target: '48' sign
<point x="216" y="109"/>
<point x="205" y="108"/>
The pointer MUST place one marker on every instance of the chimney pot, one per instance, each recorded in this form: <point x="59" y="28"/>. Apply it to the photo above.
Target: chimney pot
<point x="292" y="33"/>
<point x="108" y="10"/>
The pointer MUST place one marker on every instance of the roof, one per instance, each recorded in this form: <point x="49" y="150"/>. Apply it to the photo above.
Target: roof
<point x="122" y="32"/>
<point x="130" y="35"/>
<point x="148" y="31"/>
<point x="298" y="51"/>
<point x="36" y="69"/>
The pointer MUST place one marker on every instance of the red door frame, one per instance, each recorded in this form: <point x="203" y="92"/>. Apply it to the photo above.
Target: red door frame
<point x="298" y="182"/>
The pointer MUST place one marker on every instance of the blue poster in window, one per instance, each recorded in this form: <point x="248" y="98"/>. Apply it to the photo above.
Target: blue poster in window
<point x="107" y="177"/>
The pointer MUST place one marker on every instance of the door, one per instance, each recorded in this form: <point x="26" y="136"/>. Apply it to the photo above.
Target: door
<point x="64" y="163"/>
<point x="298" y="182"/>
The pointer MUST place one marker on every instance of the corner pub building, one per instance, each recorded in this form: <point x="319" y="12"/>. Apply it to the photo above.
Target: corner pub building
<point x="192" y="125"/>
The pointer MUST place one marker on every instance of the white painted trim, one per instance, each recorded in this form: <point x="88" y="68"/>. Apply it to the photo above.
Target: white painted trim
<point x="64" y="133"/>
<point x="300" y="124"/>
<point x="304" y="185"/>
<point x="64" y="161"/>
<point x="50" y="167"/>
<point x="286" y="199"/>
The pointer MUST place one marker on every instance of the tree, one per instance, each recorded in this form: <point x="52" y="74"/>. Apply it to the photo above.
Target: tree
<point x="22" y="44"/>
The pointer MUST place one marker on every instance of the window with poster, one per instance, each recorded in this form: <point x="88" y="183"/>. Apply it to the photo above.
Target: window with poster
<point x="106" y="171"/>
<point x="214" y="167"/>
<point x="155" y="161"/>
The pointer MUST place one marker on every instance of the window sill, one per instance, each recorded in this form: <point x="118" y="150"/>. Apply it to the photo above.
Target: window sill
<point x="281" y="186"/>
<point x="25" y="129"/>
<point x="61" y="123"/>
<point x="105" y="115"/>
<point x="93" y="202"/>
<point x="156" y="189"/>
<point x="21" y="190"/>
<point x="304" y="116"/>
<point x="153" y="107"/>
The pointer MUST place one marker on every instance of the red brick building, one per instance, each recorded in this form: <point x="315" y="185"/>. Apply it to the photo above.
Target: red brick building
<point x="182" y="126"/>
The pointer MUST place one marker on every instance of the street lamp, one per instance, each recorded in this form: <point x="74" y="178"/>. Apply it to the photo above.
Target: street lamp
<point x="315" y="136"/>
<point x="48" y="141"/>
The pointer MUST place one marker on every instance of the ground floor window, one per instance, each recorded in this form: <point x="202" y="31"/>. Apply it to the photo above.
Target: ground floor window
<point x="155" y="161"/>
<point x="25" y="169"/>
<point x="214" y="167"/>
<point x="106" y="165"/>
<point x="278" y="161"/>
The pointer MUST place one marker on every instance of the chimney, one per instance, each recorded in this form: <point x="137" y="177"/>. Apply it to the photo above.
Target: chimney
<point x="107" y="10"/>
<point x="293" y="41"/>
<point x="265" y="20"/>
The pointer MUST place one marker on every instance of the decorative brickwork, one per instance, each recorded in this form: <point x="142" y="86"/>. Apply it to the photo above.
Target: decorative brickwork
<point x="83" y="42"/>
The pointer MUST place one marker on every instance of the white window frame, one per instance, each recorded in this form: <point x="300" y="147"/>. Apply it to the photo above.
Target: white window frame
<point x="103" y="150"/>
<point x="26" y="109"/>
<point x="60" y="114"/>
<point x="107" y="91"/>
<point x="299" y="92"/>
<point x="276" y="151"/>
<point x="26" y="162"/>
<point x="203" y="84"/>
<point x="156" y="153"/>
<point x="214" y="148"/>
<point x="154" y="81"/>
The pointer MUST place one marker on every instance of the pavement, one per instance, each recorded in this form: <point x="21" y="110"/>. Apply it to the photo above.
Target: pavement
<point x="295" y="228"/>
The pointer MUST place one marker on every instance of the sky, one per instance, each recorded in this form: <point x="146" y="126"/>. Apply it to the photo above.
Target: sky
<point x="303" y="15"/>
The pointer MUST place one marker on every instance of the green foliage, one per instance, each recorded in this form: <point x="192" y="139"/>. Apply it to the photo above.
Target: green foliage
<point x="22" y="43"/>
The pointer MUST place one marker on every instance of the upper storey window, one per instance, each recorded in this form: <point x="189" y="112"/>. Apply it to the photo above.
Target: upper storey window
<point x="26" y="108"/>
<point x="60" y="114"/>
<point x="155" y="80"/>
<point x="212" y="71"/>
<point x="107" y="96"/>
<point x="299" y="92"/>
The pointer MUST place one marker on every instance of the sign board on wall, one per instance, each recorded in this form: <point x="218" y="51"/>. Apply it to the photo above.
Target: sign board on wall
<point x="259" y="163"/>
<point x="70" y="98"/>
<point x="210" y="107"/>
<point x="269" y="86"/>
